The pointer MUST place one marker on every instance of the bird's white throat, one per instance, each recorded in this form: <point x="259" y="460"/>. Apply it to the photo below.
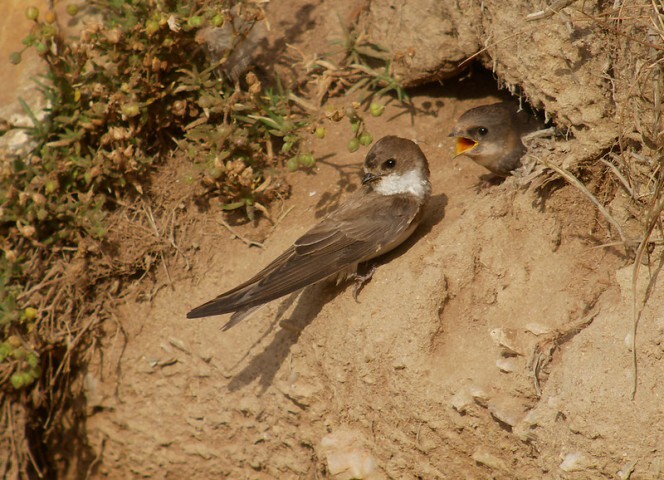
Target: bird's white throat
<point x="410" y="182"/>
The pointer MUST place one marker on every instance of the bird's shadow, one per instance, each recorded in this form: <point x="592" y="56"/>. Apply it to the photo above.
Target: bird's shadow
<point x="266" y="364"/>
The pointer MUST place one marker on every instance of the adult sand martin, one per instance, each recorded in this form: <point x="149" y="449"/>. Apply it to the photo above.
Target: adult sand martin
<point x="491" y="136"/>
<point x="379" y="216"/>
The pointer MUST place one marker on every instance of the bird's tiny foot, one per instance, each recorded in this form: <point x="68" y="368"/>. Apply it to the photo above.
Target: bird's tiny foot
<point x="487" y="181"/>
<point x="362" y="278"/>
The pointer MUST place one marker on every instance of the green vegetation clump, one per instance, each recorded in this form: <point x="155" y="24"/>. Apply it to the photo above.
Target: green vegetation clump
<point x="131" y="88"/>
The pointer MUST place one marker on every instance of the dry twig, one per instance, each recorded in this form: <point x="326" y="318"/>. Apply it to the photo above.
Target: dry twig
<point x="628" y="244"/>
<point x="652" y="220"/>
<point x="246" y="241"/>
<point x="545" y="348"/>
<point x="550" y="10"/>
<point x="150" y="216"/>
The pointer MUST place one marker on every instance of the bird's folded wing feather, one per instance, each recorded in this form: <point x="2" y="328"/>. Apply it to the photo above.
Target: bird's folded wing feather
<point x="351" y="234"/>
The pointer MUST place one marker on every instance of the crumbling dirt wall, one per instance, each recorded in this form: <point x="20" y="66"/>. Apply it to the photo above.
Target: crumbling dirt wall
<point x="431" y="374"/>
<point x="580" y="62"/>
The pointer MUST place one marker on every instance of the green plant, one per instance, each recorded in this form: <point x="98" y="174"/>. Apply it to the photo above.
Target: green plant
<point x="364" y="67"/>
<point x="364" y="71"/>
<point x="120" y="97"/>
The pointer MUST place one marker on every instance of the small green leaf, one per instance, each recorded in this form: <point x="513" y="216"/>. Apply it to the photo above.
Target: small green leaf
<point x="233" y="206"/>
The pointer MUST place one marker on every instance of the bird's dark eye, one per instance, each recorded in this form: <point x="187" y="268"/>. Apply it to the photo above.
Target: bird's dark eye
<point x="390" y="164"/>
<point x="482" y="131"/>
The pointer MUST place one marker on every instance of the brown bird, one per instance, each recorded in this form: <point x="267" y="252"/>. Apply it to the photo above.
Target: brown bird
<point x="378" y="217"/>
<point x="491" y="136"/>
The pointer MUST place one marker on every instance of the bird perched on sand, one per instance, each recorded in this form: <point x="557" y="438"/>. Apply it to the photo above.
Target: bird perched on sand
<point x="491" y="136"/>
<point x="378" y="217"/>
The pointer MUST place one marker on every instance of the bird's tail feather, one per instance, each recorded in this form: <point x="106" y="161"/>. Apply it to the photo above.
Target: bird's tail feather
<point x="220" y="305"/>
<point x="240" y="315"/>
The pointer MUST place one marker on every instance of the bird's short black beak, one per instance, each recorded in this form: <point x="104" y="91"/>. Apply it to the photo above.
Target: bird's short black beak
<point x="452" y="134"/>
<point x="369" y="177"/>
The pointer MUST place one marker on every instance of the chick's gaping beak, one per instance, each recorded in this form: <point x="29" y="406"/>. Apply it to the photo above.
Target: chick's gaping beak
<point x="463" y="145"/>
<point x="369" y="177"/>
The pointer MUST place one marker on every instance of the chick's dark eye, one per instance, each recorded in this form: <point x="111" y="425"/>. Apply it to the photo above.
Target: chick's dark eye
<point x="482" y="131"/>
<point x="391" y="163"/>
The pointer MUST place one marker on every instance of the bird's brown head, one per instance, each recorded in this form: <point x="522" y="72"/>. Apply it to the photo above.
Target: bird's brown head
<point x="396" y="165"/>
<point x="489" y="134"/>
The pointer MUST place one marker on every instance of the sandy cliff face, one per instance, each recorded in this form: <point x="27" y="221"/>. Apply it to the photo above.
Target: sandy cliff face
<point x="496" y="343"/>
<point x="431" y="374"/>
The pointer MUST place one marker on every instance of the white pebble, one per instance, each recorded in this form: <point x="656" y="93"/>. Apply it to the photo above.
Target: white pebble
<point x="347" y="457"/>
<point x="506" y="339"/>
<point x="507" y="410"/>
<point x="479" y="394"/>
<point x="574" y="462"/>
<point x="461" y="400"/>
<point x="507" y="365"/>
<point x="355" y="463"/>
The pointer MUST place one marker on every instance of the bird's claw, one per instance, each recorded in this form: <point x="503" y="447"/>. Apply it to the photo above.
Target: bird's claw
<point x="361" y="279"/>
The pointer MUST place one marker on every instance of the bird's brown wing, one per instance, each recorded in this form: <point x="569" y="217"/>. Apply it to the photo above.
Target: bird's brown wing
<point x="357" y="231"/>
